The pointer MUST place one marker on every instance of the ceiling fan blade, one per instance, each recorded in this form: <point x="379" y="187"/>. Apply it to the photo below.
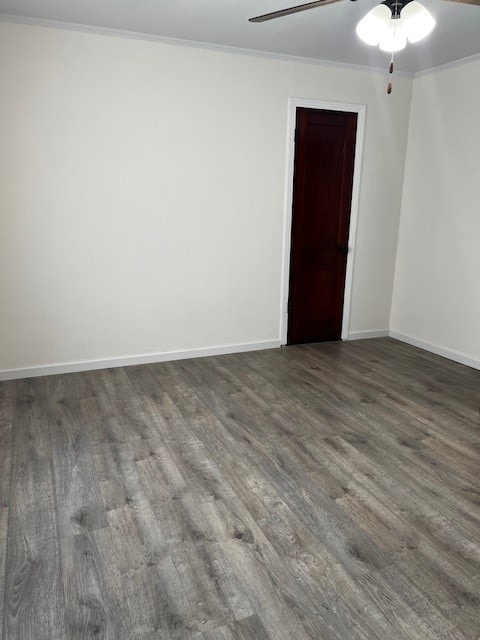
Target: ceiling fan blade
<point x="302" y="7"/>
<point x="477" y="2"/>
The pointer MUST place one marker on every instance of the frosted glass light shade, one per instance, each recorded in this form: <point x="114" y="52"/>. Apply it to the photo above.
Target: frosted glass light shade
<point x="394" y="39"/>
<point x="372" y="27"/>
<point x="417" y="21"/>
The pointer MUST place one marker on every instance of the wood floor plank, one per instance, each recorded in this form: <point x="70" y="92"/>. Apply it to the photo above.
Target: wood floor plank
<point x="32" y="505"/>
<point x="5" y="463"/>
<point x="79" y="503"/>
<point x="280" y="621"/>
<point x="316" y="492"/>
<point x="94" y="598"/>
<point x="33" y="596"/>
<point x="251" y="627"/>
<point x="220" y="633"/>
<point x="401" y="599"/>
<point x="3" y="553"/>
<point x="7" y="407"/>
<point x="116" y="474"/>
<point x="280" y="550"/>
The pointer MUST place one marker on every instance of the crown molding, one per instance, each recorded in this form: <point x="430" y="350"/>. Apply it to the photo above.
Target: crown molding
<point x="448" y="65"/>
<point x="209" y="46"/>
<point x="136" y="35"/>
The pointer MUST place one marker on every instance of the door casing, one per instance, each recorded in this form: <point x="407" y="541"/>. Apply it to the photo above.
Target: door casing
<point x="360" y="110"/>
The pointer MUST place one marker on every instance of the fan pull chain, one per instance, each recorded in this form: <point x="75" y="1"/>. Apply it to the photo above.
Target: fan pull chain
<point x="390" y="71"/>
<point x="396" y="14"/>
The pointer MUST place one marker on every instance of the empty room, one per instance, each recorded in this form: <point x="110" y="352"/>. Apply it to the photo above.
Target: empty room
<point x="239" y="320"/>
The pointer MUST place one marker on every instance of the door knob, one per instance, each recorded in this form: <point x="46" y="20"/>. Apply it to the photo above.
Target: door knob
<point x="342" y="248"/>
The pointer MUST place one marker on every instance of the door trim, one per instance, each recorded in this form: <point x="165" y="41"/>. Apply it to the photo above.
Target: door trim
<point x="360" y="110"/>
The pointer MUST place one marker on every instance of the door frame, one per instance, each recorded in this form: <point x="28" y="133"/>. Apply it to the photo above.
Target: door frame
<point x="360" y="110"/>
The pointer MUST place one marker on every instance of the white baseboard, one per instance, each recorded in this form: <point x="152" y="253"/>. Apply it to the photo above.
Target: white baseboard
<point x="365" y="335"/>
<point x="451" y="354"/>
<point x="149" y="358"/>
<point x="125" y="361"/>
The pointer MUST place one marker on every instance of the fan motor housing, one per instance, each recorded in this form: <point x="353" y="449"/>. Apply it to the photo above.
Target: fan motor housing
<point x="396" y="6"/>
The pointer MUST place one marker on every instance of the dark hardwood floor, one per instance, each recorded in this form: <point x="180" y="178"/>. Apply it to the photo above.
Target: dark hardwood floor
<point x="326" y="492"/>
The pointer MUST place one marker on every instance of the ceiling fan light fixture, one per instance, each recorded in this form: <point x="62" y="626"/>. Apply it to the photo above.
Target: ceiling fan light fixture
<point x="374" y="25"/>
<point x="417" y="21"/>
<point x="394" y="39"/>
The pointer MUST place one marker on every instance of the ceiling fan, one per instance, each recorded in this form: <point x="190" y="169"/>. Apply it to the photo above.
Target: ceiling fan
<point x="319" y="3"/>
<point x="388" y="25"/>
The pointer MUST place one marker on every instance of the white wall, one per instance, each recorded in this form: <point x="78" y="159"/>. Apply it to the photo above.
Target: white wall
<point x="437" y="281"/>
<point x="142" y="194"/>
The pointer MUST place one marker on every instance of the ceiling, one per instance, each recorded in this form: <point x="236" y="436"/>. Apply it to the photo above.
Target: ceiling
<point x="326" y="33"/>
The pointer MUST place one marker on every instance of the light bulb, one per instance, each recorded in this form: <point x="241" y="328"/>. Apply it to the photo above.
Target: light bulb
<point x="394" y="39"/>
<point x="373" y="26"/>
<point x="417" y="21"/>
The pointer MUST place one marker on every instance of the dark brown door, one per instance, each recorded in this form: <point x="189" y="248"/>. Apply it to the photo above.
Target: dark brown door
<point x="322" y="195"/>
